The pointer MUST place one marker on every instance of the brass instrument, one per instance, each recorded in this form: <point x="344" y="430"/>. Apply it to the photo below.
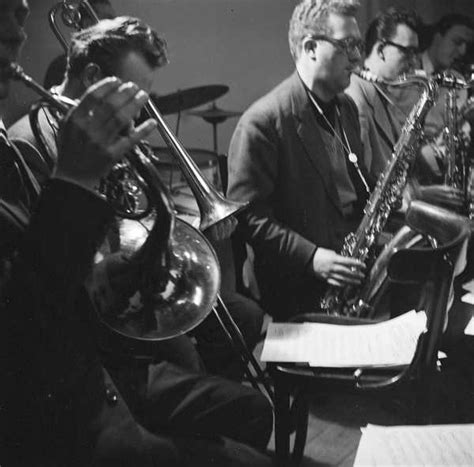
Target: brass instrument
<point x="71" y="17"/>
<point x="355" y="301"/>
<point x="458" y="163"/>
<point x="170" y="280"/>
<point x="213" y="207"/>
<point x="467" y="113"/>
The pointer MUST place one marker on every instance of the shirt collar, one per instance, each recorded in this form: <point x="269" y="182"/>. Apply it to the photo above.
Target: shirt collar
<point x="327" y="107"/>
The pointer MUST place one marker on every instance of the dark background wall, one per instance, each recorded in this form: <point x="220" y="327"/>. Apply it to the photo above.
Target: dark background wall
<point x="239" y="43"/>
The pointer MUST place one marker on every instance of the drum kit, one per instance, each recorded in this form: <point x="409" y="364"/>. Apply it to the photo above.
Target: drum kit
<point x="206" y="159"/>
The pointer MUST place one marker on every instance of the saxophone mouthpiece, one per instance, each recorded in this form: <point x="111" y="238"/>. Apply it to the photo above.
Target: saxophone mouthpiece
<point x="10" y="69"/>
<point x="6" y="68"/>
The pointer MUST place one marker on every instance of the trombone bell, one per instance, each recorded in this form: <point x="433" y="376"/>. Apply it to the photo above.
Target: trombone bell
<point x="172" y="308"/>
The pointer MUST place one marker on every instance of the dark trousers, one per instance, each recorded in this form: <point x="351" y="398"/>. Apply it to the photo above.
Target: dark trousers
<point x="206" y="410"/>
<point x="214" y="347"/>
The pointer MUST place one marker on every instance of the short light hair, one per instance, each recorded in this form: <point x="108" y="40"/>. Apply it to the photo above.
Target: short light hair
<point x="310" y="17"/>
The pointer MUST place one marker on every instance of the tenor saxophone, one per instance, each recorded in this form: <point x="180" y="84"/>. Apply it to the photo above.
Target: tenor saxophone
<point x="458" y="157"/>
<point x="351" y="300"/>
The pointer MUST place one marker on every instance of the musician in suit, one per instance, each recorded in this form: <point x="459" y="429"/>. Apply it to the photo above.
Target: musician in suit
<point x="58" y="405"/>
<point x="391" y="46"/>
<point x="451" y="37"/>
<point x="131" y="50"/>
<point x="296" y="155"/>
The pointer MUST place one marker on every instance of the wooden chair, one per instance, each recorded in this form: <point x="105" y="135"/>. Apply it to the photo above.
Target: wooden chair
<point x="433" y="269"/>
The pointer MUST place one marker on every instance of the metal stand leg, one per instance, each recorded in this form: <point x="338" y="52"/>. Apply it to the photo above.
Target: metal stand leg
<point x="238" y="342"/>
<point x="282" y="422"/>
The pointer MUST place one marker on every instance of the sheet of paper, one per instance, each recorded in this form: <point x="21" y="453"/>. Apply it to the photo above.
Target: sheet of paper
<point x="470" y="328"/>
<point x="468" y="298"/>
<point x="391" y="342"/>
<point x="429" y="445"/>
<point x="286" y="342"/>
<point x="469" y="286"/>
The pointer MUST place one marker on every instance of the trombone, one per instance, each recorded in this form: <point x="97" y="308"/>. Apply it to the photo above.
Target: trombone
<point x="213" y="207"/>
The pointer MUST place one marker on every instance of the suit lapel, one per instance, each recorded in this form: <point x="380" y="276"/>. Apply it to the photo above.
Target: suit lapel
<point x="309" y="133"/>
<point x="382" y="122"/>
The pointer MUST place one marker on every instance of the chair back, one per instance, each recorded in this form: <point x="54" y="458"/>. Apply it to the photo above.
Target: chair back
<point x="434" y="270"/>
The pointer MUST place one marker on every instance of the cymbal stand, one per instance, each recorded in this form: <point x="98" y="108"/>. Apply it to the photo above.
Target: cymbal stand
<point x="214" y="136"/>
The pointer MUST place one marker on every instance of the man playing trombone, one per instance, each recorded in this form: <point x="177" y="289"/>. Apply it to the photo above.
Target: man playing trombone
<point x="59" y="406"/>
<point x="131" y="50"/>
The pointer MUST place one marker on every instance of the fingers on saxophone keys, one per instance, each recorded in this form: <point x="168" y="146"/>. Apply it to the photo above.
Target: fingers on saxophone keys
<point x="343" y="279"/>
<point x="335" y="282"/>
<point x="355" y="266"/>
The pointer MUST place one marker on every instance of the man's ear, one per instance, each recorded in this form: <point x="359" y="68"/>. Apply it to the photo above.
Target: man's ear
<point x="91" y="74"/>
<point x="380" y="48"/>
<point x="309" y="46"/>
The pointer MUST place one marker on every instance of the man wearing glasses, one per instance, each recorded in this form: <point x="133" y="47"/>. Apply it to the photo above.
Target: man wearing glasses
<point x="391" y="46"/>
<point x="296" y="155"/>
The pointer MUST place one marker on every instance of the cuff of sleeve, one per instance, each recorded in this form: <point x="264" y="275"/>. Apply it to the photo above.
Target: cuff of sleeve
<point x="303" y="255"/>
<point x="309" y="265"/>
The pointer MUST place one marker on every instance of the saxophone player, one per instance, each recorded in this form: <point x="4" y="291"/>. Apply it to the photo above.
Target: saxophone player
<point x="451" y="37"/>
<point x="296" y="155"/>
<point x="392" y="44"/>
<point x="391" y="49"/>
<point x="59" y="406"/>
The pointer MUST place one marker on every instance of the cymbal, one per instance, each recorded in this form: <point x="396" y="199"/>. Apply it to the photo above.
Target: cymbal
<point x="214" y="114"/>
<point x="188" y="98"/>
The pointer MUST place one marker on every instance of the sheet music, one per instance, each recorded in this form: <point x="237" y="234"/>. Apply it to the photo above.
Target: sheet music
<point x="391" y="342"/>
<point x="468" y="298"/>
<point x="286" y="342"/>
<point x="470" y="328"/>
<point x="429" y="445"/>
<point x="469" y="286"/>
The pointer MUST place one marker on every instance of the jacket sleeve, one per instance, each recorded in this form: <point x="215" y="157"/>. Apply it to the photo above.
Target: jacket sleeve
<point x="253" y="176"/>
<point x="48" y="352"/>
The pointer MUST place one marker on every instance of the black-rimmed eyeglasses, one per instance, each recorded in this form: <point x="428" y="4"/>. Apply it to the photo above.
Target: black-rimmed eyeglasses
<point x="349" y="45"/>
<point x="407" y="51"/>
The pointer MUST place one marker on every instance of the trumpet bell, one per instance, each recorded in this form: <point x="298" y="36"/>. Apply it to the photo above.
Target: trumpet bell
<point x="182" y="299"/>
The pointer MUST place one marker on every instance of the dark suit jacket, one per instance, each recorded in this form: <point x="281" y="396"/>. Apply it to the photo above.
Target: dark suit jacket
<point x="380" y="123"/>
<point x="277" y="161"/>
<point x="39" y="157"/>
<point x="59" y="407"/>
